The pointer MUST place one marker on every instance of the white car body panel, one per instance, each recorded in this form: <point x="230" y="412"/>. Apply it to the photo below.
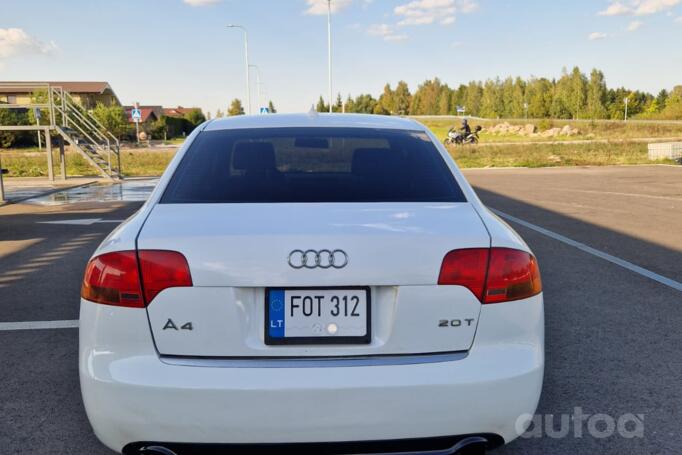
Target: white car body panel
<point x="257" y="239"/>
<point x="131" y="394"/>
<point x="228" y="322"/>
<point x="140" y="383"/>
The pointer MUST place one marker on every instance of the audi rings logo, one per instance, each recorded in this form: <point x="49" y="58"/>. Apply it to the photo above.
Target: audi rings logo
<point x="313" y="259"/>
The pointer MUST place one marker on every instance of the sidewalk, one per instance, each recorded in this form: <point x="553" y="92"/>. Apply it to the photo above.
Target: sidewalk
<point x="18" y="189"/>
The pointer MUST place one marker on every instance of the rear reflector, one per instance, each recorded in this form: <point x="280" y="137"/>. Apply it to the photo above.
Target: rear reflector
<point x="493" y="275"/>
<point x="114" y="278"/>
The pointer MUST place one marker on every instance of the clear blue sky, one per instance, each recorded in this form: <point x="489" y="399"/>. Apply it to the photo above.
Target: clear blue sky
<point x="178" y="52"/>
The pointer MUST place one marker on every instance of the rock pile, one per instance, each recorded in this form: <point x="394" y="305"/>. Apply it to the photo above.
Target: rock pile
<point x="530" y="130"/>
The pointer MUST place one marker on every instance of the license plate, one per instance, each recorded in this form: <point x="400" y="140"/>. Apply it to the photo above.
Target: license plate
<point x="317" y="315"/>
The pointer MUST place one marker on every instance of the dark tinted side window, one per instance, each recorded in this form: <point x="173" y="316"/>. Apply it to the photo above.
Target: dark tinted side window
<point x="312" y="165"/>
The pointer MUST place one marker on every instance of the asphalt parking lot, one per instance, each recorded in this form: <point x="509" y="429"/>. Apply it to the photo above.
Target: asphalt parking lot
<point x="609" y="243"/>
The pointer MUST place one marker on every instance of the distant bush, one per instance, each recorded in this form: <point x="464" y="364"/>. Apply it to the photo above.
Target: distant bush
<point x="545" y="124"/>
<point x="15" y="117"/>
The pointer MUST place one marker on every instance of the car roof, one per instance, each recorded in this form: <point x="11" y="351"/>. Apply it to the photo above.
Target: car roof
<point x="313" y="119"/>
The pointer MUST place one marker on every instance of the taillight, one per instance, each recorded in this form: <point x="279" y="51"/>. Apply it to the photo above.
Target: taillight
<point x="162" y="270"/>
<point x="493" y="275"/>
<point x="465" y="268"/>
<point x="114" y="278"/>
<point x="512" y="275"/>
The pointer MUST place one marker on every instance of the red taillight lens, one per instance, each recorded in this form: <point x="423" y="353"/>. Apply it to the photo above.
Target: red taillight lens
<point x="512" y="275"/>
<point x="114" y="278"/>
<point x="465" y="268"/>
<point x="162" y="270"/>
<point x="493" y="275"/>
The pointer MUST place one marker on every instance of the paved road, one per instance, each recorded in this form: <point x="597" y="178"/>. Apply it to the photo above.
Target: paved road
<point x="613" y="337"/>
<point x="646" y="140"/>
<point x="40" y="265"/>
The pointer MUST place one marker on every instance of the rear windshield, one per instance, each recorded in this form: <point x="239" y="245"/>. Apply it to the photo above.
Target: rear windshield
<point x="312" y="165"/>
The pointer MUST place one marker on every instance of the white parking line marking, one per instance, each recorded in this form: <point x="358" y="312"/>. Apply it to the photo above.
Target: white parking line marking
<point x="600" y="254"/>
<point x="38" y="325"/>
<point x="616" y="193"/>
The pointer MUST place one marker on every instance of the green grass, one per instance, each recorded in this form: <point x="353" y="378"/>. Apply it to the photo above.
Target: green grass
<point x="145" y="163"/>
<point x="588" y="130"/>
<point x="134" y="164"/>
<point x="29" y="150"/>
<point x="544" y="155"/>
<point x="138" y="163"/>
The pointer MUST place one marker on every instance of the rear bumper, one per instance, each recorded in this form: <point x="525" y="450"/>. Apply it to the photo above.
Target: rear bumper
<point x="132" y="395"/>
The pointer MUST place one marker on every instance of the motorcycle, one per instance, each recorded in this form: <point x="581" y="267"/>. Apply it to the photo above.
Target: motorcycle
<point x="456" y="138"/>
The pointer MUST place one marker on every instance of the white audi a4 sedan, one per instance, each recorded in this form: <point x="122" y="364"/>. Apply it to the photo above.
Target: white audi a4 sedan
<point x="311" y="284"/>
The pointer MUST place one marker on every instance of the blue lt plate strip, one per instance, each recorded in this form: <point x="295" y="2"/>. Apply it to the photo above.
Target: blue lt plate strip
<point x="276" y="313"/>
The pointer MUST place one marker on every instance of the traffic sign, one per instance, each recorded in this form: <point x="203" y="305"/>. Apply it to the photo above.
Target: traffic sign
<point x="136" y="114"/>
<point x="264" y="110"/>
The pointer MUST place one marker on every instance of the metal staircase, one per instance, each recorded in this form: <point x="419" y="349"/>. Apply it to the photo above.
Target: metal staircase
<point x="86" y="134"/>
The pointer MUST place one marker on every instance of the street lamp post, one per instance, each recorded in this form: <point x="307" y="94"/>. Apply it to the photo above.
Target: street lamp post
<point x="329" y="50"/>
<point x="246" y="56"/>
<point x="258" y="84"/>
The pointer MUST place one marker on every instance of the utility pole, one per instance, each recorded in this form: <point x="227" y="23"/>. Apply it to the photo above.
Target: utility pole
<point x="246" y="56"/>
<point x="329" y="51"/>
<point x="626" y="107"/>
<point x="137" y="124"/>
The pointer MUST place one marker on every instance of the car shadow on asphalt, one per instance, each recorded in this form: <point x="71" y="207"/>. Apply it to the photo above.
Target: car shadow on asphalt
<point x="658" y="258"/>
<point x="612" y="339"/>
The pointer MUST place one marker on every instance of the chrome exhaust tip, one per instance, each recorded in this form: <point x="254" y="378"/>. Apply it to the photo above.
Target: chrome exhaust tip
<point x="155" y="450"/>
<point x="472" y="445"/>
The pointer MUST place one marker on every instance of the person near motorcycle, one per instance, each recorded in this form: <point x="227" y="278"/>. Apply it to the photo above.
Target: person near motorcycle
<point x="463" y="135"/>
<point x="465" y="129"/>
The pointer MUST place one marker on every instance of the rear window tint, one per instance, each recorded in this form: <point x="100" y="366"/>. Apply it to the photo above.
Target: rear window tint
<point x="312" y="165"/>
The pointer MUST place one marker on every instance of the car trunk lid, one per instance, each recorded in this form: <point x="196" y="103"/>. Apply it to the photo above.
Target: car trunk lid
<point x="236" y="252"/>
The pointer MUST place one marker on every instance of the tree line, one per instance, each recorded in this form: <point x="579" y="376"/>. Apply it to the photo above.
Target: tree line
<point x="236" y="108"/>
<point x="574" y="95"/>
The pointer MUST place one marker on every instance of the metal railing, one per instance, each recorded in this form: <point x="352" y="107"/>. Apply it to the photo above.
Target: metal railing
<point x="74" y="116"/>
<point x="70" y="120"/>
